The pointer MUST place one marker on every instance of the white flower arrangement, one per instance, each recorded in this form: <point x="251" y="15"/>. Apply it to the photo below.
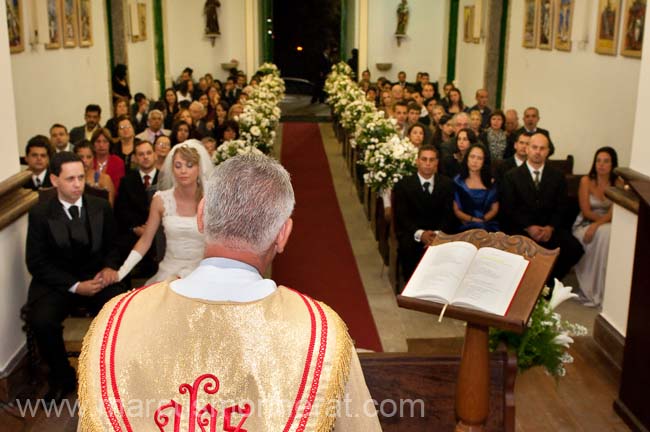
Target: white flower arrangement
<point x="547" y="338"/>
<point x="353" y="112"/>
<point x="233" y="148"/>
<point x="373" y="128"/>
<point x="261" y="114"/>
<point x="388" y="162"/>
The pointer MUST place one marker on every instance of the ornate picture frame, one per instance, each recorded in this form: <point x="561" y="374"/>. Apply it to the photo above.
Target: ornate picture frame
<point x="633" y="28"/>
<point x="53" y="24"/>
<point x="142" y="20"/>
<point x="609" y="18"/>
<point x="15" y="26"/>
<point x="468" y="24"/>
<point x="69" y="23"/>
<point x="563" y="24"/>
<point x="545" y="24"/>
<point x="84" y="12"/>
<point x="529" y="37"/>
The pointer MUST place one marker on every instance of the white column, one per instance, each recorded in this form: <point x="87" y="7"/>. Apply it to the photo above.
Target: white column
<point x="363" y="34"/>
<point x="13" y="277"/>
<point x="252" y="37"/>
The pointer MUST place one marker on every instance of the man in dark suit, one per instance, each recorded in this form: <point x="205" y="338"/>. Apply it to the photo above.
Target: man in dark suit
<point x="422" y="204"/>
<point x="92" y="118"/>
<point x="133" y="202"/>
<point x="482" y="107"/>
<point x="71" y="258"/>
<point x="37" y="155"/>
<point x="514" y="161"/>
<point x="535" y="200"/>
<point x="531" y="118"/>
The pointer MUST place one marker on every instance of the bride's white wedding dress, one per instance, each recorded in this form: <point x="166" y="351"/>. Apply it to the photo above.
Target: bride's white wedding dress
<point x="184" y="243"/>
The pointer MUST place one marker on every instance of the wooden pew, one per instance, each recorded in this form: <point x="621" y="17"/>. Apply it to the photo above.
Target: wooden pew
<point x="397" y="378"/>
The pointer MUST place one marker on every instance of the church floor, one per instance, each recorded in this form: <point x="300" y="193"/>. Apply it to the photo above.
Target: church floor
<point x="580" y="401"/>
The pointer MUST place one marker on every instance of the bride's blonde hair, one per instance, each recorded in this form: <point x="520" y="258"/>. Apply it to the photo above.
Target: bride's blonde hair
<point x="190" y="155"/>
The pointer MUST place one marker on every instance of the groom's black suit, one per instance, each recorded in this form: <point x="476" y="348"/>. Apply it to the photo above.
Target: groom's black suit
<point x="415" y="209"/>
<point x="61" y="252"/>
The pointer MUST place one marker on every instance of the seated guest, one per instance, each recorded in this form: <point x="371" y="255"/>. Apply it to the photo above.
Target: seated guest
<point x="512" y="121"/>
<point x="133" y="202"/>
<point x="444" y="132"/>
<point x="428" y="119"/>
<point x="371" y="95"/>
<point x="422" y="205"/>
<point x="452" y="162"/>
<point x="416" y="134"/>
<point x="120" y="108"/>
<point x="120" y="84"/>
<point x="234" y="111"/>
<point x="162" y="146"/>
<point x="71" y="256"/>
<point x="125" y="146"/>
<point x="210" y="145"/>
<point x="231" y="92"/>
<point x="154" y="128"/>
<point x="494" y="137"/>
<point x="397" y="92"/>
<point x="592" y="226"/>
<point x="476" y="200"/>
<point x="185" y="91"/>
<point x="412" y="114"/>
<point x="482" y="107"/>
<point x="535" y="200"/>
<point x="94" y="178"/>
<point x="429" y="91"/>
<point x="400" y="114"/>
<point x="171" y="107"/>
<point x="221" y="115"/>
<point x="105" y="162"/>
<point x="531" y="118"/>
<point x="197" y="111"/>
<point x="459" y="122"/>
<point x="454" y="104"/>
<point x="139" y="112"/>
<point x="228" y="132"/>
<point x="445" y="90"/>
<point x="386" y="103"/>
<point x="37" y="156"/>
<point x="60" y="139"/>
<point x="181" y="132"/>
<point x="518" y="159"/>
<point x="475" y="120"/>
<point x="92" y="117"/>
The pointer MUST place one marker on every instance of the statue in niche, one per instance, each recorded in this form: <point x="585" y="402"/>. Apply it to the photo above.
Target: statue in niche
<point x="402" y="18"/>
<point x="211" y="17"/>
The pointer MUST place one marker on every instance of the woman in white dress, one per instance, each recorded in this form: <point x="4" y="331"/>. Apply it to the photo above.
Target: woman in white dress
<point x="180" y="189"/>
<point x="592" y="226"/>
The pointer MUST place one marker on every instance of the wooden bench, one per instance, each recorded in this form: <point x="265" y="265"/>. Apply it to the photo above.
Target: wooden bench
<point x="405" y="379"/>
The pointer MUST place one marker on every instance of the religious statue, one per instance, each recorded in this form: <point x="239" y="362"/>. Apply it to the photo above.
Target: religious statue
<point x="211" y="17"/>
<point x="402" y="18"/>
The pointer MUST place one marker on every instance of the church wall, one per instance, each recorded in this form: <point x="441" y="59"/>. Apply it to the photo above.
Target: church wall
<point x="586" y="100"/>
<point x="142" y="64"/>
<point x="423" y="48"/>
<point x="54" y="86"/>
<point x="470" y="60"/>
<point x="186" y="45"/>
<point x="13" y="276"/>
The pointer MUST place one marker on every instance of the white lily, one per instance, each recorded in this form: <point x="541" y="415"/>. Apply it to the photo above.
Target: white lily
<point x="563" y="339"/>
<point x="560" y="294"/>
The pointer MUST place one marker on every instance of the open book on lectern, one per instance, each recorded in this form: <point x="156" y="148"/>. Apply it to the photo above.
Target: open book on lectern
<point x="460" y="274"/>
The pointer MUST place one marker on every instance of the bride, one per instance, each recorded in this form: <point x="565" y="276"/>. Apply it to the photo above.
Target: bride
<point x="183" y="175"/>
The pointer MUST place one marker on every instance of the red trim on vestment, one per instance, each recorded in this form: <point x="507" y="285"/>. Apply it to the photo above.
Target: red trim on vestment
<point x="305" y="373"/>
<point x="317" y="370"/>
<point x="102" y="362"/>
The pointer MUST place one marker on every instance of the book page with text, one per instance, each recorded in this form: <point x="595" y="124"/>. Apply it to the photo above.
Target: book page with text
<point x="491" y="281"/>
<point x="439" y="273"/>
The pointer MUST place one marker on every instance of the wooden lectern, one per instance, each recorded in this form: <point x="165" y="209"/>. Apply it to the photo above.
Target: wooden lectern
<point x="472" y="391"/>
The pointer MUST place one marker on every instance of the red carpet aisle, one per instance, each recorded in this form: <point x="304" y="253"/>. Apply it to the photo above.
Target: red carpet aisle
<point x="318" y="260"/>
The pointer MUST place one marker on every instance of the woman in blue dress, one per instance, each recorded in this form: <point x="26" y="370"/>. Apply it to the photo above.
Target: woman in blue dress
<point x="475" y="201"/>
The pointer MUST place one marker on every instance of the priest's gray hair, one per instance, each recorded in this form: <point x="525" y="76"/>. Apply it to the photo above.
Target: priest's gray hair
<point x="247" y="200"/>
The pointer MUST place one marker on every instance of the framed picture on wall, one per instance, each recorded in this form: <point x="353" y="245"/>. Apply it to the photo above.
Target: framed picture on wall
<point x="53" y="24"/>
<point x="142" y="20"/>
<point x="15" y="25"/>
<point x="545" y="25"/>
<point x="609" y="17"/>
<point x="70" y="29"/>
<point x="468" y="24"/>
<point x="563" y="25"/>
<point x="85" y="23"/>
<point x="633" y="28"/>
<point x="529" y="39"/>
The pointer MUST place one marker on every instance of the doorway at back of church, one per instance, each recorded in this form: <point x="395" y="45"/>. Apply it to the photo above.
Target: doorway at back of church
<point x="306" y="37"/>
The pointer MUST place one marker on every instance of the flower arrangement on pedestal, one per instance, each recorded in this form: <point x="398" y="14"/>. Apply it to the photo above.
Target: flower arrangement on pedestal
<point x="353" y="112"/>
<point x="546" y="340"/>
<point x="388" y="162"/>
<point x="231" y="149"/>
